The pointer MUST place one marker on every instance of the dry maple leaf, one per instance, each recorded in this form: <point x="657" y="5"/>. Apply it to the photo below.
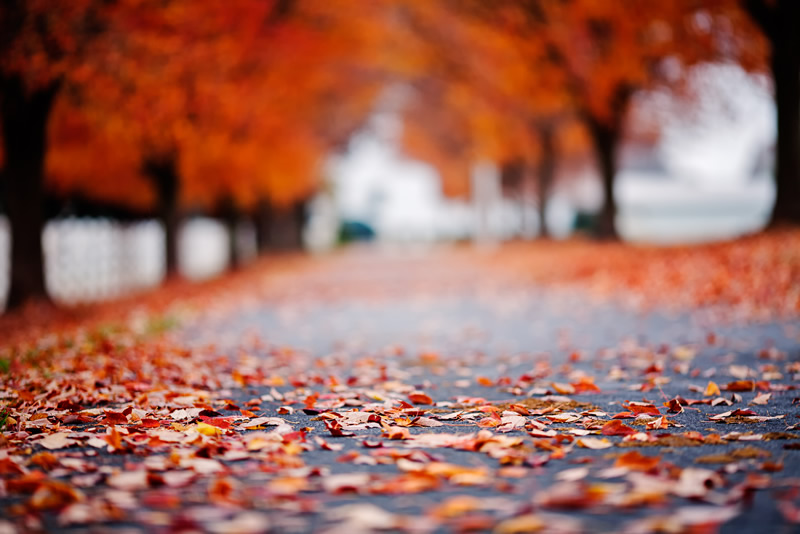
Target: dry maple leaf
<point x="711" y="389"/>
<point x="418" y="397"/>
<point x="615" y="427"/>
<point x="594" y="443"/>
<point x="641" y="408"/>
<point x="636" y="461"/>
<point x="57" y="440"/>
<point x="741" y="385"/>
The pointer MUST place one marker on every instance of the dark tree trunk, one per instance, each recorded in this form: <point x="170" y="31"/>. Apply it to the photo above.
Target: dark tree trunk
<point x="779" y="20"/>
<point x="786" y="71"/>
<point x="24" y="120"/>
<point x="298" y="224"/>
<point x="263" y="221"/>
<point x="545" y="173"/>
<point x="163" y="174"/>
<point x="513" y="183"/>
<point x="286" y="230"/>
<point x="605" y="138"/>
<point x="230" y="214"/>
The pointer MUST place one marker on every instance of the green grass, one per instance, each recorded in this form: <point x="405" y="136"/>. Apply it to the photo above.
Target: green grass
<point x="158" y="325"/>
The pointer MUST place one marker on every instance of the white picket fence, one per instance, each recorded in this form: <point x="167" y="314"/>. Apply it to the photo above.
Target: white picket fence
<point x="96" y="259"/>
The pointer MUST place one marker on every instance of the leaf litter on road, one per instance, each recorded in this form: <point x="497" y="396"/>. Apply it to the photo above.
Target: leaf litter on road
<point x="165" y="433"/>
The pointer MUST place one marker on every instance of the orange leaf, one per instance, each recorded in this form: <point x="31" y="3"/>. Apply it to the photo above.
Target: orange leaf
<point x="741" y="385"/>
<point x="636" y="461"/>
<point x="617" y="428"/>
<point x="397" y="433"/>
<point x="488" y="422"/>
<point x="658" y="424"/>
<point x="563" y="389"/>
<point x="586" y="384"/>
<point x="418" y="397"/>
<point x="642" y="408"/>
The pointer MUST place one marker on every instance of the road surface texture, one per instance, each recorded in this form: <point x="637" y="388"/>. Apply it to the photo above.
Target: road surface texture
<point x="409" y="391"/>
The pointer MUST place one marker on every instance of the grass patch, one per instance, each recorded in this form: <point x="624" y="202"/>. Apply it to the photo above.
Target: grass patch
<point x="160" y="325"/>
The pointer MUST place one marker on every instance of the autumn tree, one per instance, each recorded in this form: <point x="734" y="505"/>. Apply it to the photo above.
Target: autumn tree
<point x="238" y="120"/>
<point x="610" y="51"/>
<point x="507" y="86"/>
<point x="589" y="59"/>
<point x="42" y="49"/>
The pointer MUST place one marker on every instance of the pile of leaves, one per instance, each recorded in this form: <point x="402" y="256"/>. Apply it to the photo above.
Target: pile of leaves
<point x="756" y="277"/>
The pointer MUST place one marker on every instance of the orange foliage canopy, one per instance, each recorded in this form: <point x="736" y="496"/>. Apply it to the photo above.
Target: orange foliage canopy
<point x="247" y="95"/>
<point x="509" y="68"/>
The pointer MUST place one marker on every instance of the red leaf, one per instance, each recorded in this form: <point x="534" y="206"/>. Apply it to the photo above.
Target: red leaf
<point x="617" y="428"/>
<point x="741" y="385"/>
<point x="115" y="418"/>
<point x="149" y="423"/>
<point x="220" y="422"/>
<point x="674" y="406"/>
<point x="642" y="408"/>
<point x="335" y="429"/>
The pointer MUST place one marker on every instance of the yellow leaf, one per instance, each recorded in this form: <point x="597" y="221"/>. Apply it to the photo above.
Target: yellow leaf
<point x="712" y="389"/>
<point x="208" y="430"/>
<point x="520" y="524"/>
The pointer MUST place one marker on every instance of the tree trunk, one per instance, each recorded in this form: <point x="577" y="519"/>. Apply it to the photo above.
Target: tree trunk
<point x="163" y="174"/>
<point x="785" y="64"/>
<point x="298" y="224"/>
<point x="24" y="120"/>
<point x="605" y="138"/>
<point x="545" y="175"/>
<point x="263" y="225"/>
<point x="230" y="215"/>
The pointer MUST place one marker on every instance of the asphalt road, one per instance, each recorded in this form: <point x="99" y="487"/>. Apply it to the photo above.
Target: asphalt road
<point x="394" y="309"/>
<point x="368" y="327"/>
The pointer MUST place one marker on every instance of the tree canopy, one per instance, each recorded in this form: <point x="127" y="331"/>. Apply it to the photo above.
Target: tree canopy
<point x="167" y="106"/>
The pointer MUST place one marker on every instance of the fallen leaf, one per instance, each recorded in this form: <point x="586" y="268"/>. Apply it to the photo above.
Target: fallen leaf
<point x="57" y="440"/>
<point x="615" y="427"/>
<point x="712" y="389"/>
<point x="594" y="443"/>
<point x="419" y="397"/>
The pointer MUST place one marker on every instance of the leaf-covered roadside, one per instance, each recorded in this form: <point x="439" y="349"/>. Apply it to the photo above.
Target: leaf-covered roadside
<point x="755" y="277"/>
